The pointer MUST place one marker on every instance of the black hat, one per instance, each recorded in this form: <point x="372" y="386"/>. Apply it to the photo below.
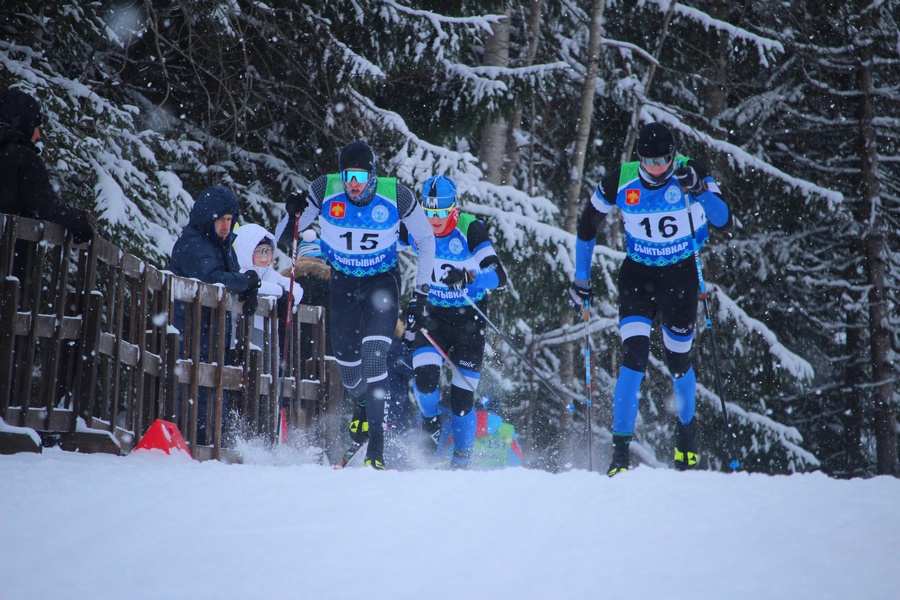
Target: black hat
<point x="655" y="140"/>
<point x="20" y="110"/>
<point x="357" y="155"/>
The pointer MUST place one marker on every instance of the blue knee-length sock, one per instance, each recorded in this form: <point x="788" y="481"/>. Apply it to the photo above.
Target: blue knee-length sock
<point x="685" y="395"/>
<point x="626" y="397"/>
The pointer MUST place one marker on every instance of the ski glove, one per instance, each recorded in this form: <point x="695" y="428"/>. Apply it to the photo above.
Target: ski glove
<point x="687" y="178"/>
<point x="457" y="279"/>
<point x="417" y="310"/>
<point x="296" y="202"/>
<point x="580" y="292"/>
<point x="249" y="296"/>
<point x="359" y="425"/>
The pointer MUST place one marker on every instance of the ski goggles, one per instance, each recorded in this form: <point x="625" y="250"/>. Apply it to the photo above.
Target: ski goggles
<point x="438" y="214"/>
<point x="263" y="250"/>
<point x="659" y="161"/>
<point x="359" y="176"/>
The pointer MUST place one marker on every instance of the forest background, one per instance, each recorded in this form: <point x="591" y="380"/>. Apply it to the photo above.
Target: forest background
<point x="795" y="107"/>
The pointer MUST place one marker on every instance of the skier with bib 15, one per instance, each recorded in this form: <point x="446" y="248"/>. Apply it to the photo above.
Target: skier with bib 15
<point x="359" y="216"/>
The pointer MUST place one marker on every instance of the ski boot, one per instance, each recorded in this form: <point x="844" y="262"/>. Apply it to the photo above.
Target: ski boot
<point x="431" y="434"/>
<point x="687" y="453"/>
<point x="460" y="460"/>
<point x="359" y="426"/>
<point x="375" y="452"/>
<point x="620" y="459"/>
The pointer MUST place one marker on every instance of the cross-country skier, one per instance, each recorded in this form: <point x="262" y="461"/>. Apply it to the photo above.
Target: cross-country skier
<point x="658" y="277"/>
<point x="359" y="217"/>
<point x="465" y="266"/>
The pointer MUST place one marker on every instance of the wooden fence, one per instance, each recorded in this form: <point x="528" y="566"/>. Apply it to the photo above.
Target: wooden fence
<point x="90" y="355"/>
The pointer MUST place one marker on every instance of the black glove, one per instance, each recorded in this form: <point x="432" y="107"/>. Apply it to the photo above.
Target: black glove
<point x="687" y="178"/>
<point x="296" y="202"/>
<point x="82" y="227"/>
<point x="359" y="424"/>
<point x="457" y="279"/>
<point x="249" y="296"/>
<point x="417" y="310"/>
<point x="580" y="292"/>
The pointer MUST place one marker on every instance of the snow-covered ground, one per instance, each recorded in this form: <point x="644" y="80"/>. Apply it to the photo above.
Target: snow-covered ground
<point x="152" y="526"/>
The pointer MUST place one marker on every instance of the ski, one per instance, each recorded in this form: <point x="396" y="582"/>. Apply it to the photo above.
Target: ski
<point x="351" y="452"/>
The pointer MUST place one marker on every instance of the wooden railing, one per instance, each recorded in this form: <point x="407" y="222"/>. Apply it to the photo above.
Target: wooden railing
<point x="90" y="356"/>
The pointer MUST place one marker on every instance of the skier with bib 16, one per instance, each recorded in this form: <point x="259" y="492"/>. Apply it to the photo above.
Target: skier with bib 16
<point x="658" y="277"/>
<point x="359" y="216"/>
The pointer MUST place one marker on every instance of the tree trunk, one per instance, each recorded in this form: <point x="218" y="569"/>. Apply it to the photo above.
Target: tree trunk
<point x="533" y="34"/>
<point x="585" y="115"/>
<point x="573" y="201"/>
<point x="645" y="85"/>
<point x="873" y="242"/>
<point x="854" y="398"/>
<point x="716" y="96"/>
<point x="494" y="134"/>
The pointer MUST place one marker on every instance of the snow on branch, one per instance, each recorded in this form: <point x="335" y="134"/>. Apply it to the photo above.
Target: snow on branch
<point x="494" y="72"/>
<point x="417" y="160"/>
<point x="486" y="80"/>
<point x="765" y="46"/>
<point x="797" y="366"/>
<point x="738" y="157"/>
<point x="786" y="436"/>
<point x="359" y="65"/>
<point x="631" y="48"/>
<point x="483" y="22"/>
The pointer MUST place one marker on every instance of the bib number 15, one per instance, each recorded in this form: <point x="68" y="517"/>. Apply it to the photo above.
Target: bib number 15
<point x="367" y="241"/>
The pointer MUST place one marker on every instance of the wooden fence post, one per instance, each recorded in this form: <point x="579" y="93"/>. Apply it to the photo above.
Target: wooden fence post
<point x="84" y="401"/>
<point x="8" y="306"/>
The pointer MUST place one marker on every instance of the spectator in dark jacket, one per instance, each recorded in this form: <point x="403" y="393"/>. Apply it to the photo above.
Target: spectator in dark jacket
<point x="25" y="188"/>
<point x="204" y="251"/>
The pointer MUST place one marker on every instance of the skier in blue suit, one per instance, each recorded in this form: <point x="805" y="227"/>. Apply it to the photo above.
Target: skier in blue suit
<point x="466" y="268"/>
<point x="658" y="277"/>
<point x="359" y="215"/>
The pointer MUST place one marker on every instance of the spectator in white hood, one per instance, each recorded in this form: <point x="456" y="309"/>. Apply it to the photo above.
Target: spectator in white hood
<point x="255" y="249"/>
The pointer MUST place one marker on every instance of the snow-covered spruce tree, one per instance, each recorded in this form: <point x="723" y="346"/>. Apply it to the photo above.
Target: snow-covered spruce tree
<point x="835" y="123"/>
<point x="261" y="96"/>
<point x="720" y="54"/>
<point x="673" y="99"/>
<point x="96" y="155"/>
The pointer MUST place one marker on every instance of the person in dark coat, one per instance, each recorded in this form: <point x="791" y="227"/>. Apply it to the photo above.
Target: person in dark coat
<point x="25" y="188"/>
<point x="204" y="252"/>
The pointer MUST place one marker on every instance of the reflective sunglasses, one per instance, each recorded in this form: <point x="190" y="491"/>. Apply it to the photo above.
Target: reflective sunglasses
<point x="656" y="162"/>
<point x="359" y="176"/>
<point x="437" y="214"/>
<point x="262" y="251"/>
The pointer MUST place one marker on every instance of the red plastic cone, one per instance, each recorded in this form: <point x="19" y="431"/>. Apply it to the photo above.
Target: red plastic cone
<point x="164" y="436"/>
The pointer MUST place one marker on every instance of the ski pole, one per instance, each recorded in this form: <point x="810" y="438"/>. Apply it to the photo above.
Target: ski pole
<point x="587" y="384"/>
<point x="734" y="463"/>
<point x="569" y="406"/>
<point x="281" y="426"/>
<point x="453" y="367"/>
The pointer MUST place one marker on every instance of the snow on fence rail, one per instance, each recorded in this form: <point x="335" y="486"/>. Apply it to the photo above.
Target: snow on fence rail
<point x="90" y="356"/>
